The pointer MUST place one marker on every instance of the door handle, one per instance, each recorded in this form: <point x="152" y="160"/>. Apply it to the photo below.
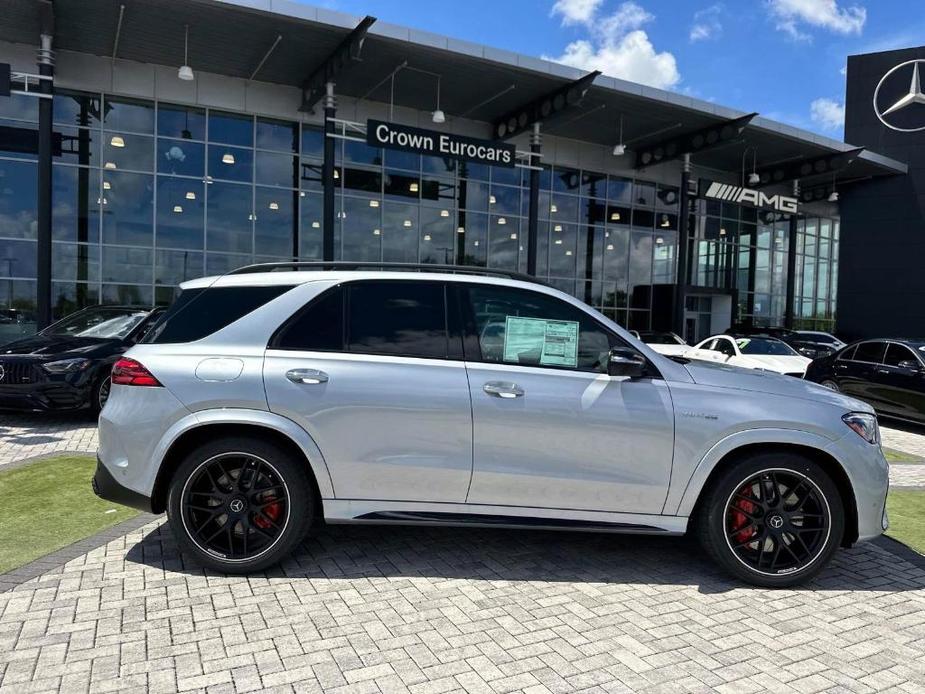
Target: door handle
<point x="307" y="376"/>
<point x="883" y="371"/>
<point x="502" y="389"/>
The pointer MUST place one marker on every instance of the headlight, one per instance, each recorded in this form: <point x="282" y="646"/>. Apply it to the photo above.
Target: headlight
<point x="864" y="425"/>
<point x="66" y="366"/>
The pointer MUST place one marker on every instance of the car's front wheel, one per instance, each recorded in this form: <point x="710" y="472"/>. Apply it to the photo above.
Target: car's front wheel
<point x="239" y="504"/>
<point x="773" y="520"/>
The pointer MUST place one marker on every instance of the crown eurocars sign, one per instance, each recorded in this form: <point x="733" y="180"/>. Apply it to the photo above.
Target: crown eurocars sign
<point x="440" y="144"/>
<point x="748" y="196"/>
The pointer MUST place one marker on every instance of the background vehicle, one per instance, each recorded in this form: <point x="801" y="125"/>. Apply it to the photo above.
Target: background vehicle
<point x="810" y="343"/>
<point x="667" y="343"/>
<point x="265" y="400"/>
<point x="66" y="366"/>
<point x="888" y="374"/>
<point x="751" y="352"/>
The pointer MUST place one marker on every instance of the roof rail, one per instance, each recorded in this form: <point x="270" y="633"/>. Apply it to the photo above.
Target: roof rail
<point x="350" y="266"/>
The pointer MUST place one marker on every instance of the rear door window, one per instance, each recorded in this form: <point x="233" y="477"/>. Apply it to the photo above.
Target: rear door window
<point x="870" y="352"/>
<point x="318" y="327"/>
<point x="896" y="354"/>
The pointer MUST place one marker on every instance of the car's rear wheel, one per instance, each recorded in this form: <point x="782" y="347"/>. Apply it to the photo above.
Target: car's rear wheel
<point x="239" y="504"/>
<point x="830" y="384"/>
<point x="774" y="519"/>
<point x="100" y="393"/>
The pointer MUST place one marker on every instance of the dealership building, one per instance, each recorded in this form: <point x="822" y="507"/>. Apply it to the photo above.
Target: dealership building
<point x="147" y="142"/>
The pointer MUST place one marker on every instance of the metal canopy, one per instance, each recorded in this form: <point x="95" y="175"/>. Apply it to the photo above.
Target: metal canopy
<point x="230" y="37"/>
<point x="696" y="142"/>
<point x="336" y="66"/>
<point x="550" y="106"/>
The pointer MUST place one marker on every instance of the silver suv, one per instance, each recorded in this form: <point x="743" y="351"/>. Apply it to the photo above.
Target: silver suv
<point x="265" y="402"/>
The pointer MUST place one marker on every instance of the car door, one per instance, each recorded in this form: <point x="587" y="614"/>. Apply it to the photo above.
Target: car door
<point x="855" y="376"/>
<point x="371" y="371"/>
<point x="900" y="383"/>
<point x="550" y="428"/>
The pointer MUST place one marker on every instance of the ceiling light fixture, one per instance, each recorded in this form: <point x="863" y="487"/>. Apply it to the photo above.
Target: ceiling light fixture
<point x="427" y="237"/>
<point x="553" y="209"/>
<point x="177" y="209"/>
<point x="492" y="200"/>
<point x="274" y="205"/>
<point x="227" y="158"/>
<point x="413" y="187"/>
<point x="406" y="223"/>
<point x="117" y="141"/>
<point x="619" y="149"/>
<point x="107" y="185"/>
<point x="190" y="195"/>
<point x="374" y="203"/>
<point x="444" y="213"/>
<point x="502" y="220"/>
<point x="833" y="196"/>
<point x="614" y="216"/>
<point x="109" y="165"/>
<point x="376" y="232"/>
<point x="185" y="72"/>
<point x="316" y="225"/>
<point x="438" y="115"/>
<point x="460" y="230"/>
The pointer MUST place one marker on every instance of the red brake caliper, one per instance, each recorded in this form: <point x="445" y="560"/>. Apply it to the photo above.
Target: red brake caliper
<point x="271" y="511"/>
<point x="740" y="519"/>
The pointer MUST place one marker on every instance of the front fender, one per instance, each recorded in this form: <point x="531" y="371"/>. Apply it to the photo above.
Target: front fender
<point x="270" y="420"/>
<point x="682" y="502"/>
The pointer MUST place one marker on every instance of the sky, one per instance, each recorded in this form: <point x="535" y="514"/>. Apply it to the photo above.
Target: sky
<point x="784" y="59"/>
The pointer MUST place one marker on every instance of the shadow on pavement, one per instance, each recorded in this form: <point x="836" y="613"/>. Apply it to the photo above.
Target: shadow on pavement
<point x="901" y="425"/>
<point x="353" y="552"/>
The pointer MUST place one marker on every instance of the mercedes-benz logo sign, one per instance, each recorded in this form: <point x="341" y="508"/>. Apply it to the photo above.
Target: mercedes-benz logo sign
<point x="236" y="505"/>
<point x="776" y="522"/>
<point x="913" y="96"/>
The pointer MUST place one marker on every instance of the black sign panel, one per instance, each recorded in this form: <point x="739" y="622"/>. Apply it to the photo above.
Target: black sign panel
<point x="439" y="144"/>
<point x="4" y="79"/>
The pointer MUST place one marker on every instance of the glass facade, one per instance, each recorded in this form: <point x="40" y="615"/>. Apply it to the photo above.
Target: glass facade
<point x="146" y="195"/>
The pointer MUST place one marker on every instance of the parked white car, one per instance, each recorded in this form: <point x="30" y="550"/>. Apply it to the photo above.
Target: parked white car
<point x="765" y="353"/>
<point x="667" y="343"/>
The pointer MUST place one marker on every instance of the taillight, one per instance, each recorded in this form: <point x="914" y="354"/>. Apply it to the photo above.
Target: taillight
<point x="128" y="372"/>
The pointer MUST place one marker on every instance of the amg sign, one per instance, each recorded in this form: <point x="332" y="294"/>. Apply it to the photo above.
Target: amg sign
<point x="748" y="196"/>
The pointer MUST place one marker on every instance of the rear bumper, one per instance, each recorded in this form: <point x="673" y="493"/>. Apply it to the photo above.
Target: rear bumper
<point x="106" y="487"/>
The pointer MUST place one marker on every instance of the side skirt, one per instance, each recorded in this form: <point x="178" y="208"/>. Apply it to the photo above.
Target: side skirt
<point x="422" y="513"/>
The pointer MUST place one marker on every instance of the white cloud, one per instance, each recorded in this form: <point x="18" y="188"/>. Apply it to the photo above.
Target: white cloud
<point x="827" y="113"/>
<point x="706" y="24"/>
<point x="576" y="11"/>
<point x="619" y="47"/>
<point x="822" y="14"/>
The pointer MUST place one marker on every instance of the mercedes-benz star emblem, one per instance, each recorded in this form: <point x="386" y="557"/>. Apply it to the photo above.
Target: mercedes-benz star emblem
<point x="910" y="98"/>
<point x="236" y="505"/>
<point x="776" y="522"/>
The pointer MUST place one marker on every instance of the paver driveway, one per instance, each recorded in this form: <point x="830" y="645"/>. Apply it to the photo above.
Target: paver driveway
<point x="433" y="610"/>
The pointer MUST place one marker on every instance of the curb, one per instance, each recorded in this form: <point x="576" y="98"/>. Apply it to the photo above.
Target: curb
<point x="43" y="456"/>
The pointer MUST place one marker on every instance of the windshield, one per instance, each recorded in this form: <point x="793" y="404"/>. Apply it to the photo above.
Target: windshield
<point x="662" y="339"/>
<point x="115" y="323"/>
<point x="764" y="345"/>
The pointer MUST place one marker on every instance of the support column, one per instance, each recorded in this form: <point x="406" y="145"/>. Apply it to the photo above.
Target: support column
<point x="792" y="263"/>
<point x="46" y="67"/>
<point x="536" y="143"/>
<point x="680" y="290"/>
<point x="327" y="174"/>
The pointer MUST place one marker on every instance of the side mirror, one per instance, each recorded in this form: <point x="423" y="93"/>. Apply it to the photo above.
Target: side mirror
<point x="623" y="361"/>
<point x="910" y="364"/>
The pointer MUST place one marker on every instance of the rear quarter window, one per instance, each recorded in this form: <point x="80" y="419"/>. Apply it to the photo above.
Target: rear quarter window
<point x="198" y="313"/>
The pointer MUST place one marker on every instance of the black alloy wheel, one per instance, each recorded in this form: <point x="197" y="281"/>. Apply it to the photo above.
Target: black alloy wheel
<point x="772" y="519"/>
<point x="777" y="522"/>
<point x="102" y="393"/>
<point x="239" y="505"/>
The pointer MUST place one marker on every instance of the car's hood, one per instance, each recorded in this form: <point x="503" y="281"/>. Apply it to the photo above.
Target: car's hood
<point x="780" y="363"/>
<point x="62" y="346"/>
<point x="724" y="376"/>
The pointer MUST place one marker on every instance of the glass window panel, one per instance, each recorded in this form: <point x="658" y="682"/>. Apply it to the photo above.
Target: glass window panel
<point x="129" y="115"/>
<point x="504" y="200"/>
<point x="18" y="199"/>
<point x="78" y="146"/>
<point x="124" y="151"/>
<point x="310" y="226"/>
<point x="477" y="172"/>
<point x="620" y="190"/>
<point x="565" y="180"/>
<point x="281" y="136"/>
<point x="590" y="252"/>
<point x="509" y="176"/>
<point x="592" y="211"/>
<point x="402" y="185"/>
<point x="473" y="195"/>
<point x="180" y="157"/>
<point x="400" y="233"/>
<point x="127" y="208"/>
<point x="274" y="222"/>
<point x="667" y="197"/>
<point x="616" y="254"/>
<point x="363" y="180"/>
<point x="127" y="295"/>
<point x="408" y="161"/>
<point x="74" y="212"/>
<point x="435" y="165"/>
<point x="229" y="218"/>
<point x="562" y="251"/>
<point x="666" y="221"/>
<point x="17" y="259"/>
<point x="127" y="265"/>
<point x="274" y="169"/>
<point x="311" y="176"/>
<point x="231" y="163"/>
<point x="73" y="108"/>
<point x="18" y="294"/>
<point x="476" y="238"/>
<point x="503" y="241"/>
<point x="593" y="184"/>
<point x="362" y="230"/>
<point x="68" y="297"/>
<point x="222" y="263"/>
<point x="312" y="141"/>
<point x="439" y="191"/>
<point x="564" y="208"/>
<point x="617" y="215"/>
<point x="72" y="261"/>
<point x="184" y="122"/>
<point x="643" y="193"/>
<point x="643" y="219"/>
<point x="438" y="236"/>
<point x="179" y="215"/>
<point x="231" y="129"/>
<point x="173" y="267"/>
<point x="401" y="318"/>
<point x="663" y="266"/>
<point x="362" y="153"/>
<point x="640" y="269"/>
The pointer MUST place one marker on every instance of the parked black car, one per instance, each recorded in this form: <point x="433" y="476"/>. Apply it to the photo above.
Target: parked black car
<point x="805" y="342"/>
<point x="66" y="366"/>
<point x="888" y="374"/>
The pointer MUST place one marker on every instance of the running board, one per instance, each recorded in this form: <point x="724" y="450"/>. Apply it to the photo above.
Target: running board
<point x="449" y="518"/>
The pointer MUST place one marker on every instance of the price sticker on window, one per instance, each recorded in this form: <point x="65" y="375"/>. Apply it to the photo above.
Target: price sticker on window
<point x="539" y="341"/>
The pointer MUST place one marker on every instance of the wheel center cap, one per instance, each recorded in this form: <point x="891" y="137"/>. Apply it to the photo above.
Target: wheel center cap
<point x="236" y="505"/>
<point x="776" y="522"/>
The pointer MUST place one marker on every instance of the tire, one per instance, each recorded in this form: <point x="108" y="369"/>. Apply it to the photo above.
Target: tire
<point x="740" y="531"/>
<point x="830" y="384"/>
<point x="238" y="505"/>
<point x="100" y="393"/>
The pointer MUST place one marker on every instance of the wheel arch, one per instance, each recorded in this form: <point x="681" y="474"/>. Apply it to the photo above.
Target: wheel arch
<point x="284" y="434"/>
<point x="703" y="478"/>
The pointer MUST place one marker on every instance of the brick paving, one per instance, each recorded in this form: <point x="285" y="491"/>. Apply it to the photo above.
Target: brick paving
<point x="32" y="435"/>
<point x="427" y="610"/>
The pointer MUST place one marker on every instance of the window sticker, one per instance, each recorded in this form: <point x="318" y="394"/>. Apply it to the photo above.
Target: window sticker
<point x="539" y="341"/>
